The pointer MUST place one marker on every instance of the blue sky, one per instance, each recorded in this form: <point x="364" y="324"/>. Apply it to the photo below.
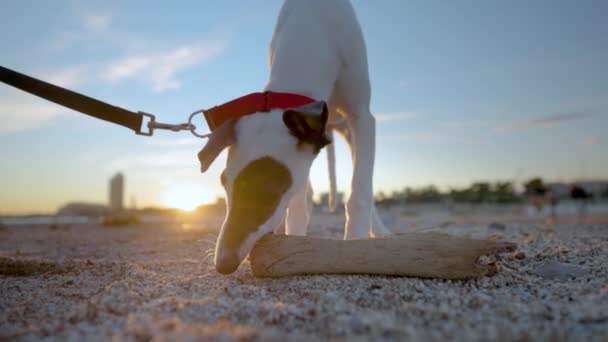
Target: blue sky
<point x="463" y="91"/>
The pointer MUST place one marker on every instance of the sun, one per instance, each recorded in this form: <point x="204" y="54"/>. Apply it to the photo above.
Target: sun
<point x="185" y="197"/>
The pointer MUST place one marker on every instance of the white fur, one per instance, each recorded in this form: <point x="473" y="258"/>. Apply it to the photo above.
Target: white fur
<point x="265" y="135"/>
<point x="317" y="50"/>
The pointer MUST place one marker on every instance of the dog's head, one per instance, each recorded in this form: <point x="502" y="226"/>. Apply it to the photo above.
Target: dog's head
<point x="269" y="159"/>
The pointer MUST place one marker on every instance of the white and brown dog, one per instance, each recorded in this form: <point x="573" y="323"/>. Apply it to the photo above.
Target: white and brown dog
<point x="317" y="50"/>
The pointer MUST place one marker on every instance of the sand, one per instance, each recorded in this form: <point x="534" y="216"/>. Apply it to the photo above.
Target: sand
<point x="154" y="282"/>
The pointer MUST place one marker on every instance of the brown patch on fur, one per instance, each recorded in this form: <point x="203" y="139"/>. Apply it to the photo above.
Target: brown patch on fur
<point x="257" y="191"/>
<point x="309" y="128"/>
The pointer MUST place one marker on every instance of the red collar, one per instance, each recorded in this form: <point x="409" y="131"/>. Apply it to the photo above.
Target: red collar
<point x="253" y="103"/>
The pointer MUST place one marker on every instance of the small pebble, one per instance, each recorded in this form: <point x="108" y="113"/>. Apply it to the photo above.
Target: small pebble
<point x="559" y="271"/>
<point x="497" y="226"/>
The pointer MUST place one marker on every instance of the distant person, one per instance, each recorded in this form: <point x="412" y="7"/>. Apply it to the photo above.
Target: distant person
<point x="579" y="195"/>
<point x="538" y="198"/>
<point x="552" y="199"/>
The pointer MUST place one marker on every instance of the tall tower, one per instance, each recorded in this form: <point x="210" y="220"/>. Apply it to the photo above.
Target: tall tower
<point x="117" y="189"/>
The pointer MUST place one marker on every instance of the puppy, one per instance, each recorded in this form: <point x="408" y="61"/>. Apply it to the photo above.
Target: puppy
<point x="317" y="50"/>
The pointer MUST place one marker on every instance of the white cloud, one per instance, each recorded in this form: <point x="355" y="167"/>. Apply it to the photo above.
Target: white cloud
<point x="429" y="137"/>
<point x="160" y="69"/>
<point x="546" y="121"/>
<point x="22" y="111"/>
<point x="126" y="68"/>
<point x="67" y="78"/>
<point x="188" y="141"/>
<point x="95" y="22"/>
<point x="158" y="162"/>
<point x="592" y="140"/>
<point x="395" y="116"/>
<point x="93" y="25"/>
<point x="465" y="124"/>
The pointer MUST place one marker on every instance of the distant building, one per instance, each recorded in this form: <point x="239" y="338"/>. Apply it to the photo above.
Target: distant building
<point x="117" y="190"/>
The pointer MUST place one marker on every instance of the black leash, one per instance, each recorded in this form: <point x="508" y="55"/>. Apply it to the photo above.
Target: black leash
<point x="88" y="105"/>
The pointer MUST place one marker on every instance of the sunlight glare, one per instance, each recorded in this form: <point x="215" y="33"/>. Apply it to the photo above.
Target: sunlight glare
<point x="186" y="197"/>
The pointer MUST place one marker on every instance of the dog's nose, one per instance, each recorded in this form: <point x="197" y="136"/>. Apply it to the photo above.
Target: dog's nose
<point x="227" y="264"/>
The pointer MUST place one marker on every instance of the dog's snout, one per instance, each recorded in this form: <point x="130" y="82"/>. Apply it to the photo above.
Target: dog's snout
<point x="227" y="264"/>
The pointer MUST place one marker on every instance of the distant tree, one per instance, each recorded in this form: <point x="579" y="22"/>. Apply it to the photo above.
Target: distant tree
<point x="577" y="192"/>
<point x="480" y="192"/>
<point x="536" y="190"/>
<point x="602" y="193"/>
<point x="399" y="196"/>
<point x="580" y="195"/>
<point x="323" y="199"/>
<point x="381" y="196"/>
<point x="535" y="186"/>
<point x="427" y="194"/>
<point x="383" y="199"/>
<point x="460" y="195"/>
<point x="504" y="192"/>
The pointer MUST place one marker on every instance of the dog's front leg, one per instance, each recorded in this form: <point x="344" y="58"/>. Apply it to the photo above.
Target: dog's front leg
<point x="299" y="212"/>
<point x="359" y="204"/>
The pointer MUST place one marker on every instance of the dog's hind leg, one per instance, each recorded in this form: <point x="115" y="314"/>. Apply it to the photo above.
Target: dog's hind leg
<point x="299" y="212"/>
<point x="378" y="228"/>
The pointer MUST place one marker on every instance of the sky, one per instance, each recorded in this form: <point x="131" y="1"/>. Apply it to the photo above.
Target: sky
<point x="462" y="91"/>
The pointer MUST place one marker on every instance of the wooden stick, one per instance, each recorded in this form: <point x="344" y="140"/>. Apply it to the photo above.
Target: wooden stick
<point x="426" y="255"/>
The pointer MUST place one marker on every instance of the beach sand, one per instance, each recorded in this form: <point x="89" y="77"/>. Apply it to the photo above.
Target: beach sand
<point x="156" y="282"/>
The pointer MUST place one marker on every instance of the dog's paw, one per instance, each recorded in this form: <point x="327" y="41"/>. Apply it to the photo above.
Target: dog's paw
<point x="354" y="234"/>
<point x="379" y="232"/>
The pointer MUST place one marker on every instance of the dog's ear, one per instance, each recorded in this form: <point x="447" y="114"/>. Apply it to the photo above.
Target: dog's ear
<point x="307" y="123"/>
<point x="222" y="137"/>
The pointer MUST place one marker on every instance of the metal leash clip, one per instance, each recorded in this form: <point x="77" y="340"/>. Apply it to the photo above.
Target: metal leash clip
<point x="153" y="124"/>
<point x="193" y="127"/>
